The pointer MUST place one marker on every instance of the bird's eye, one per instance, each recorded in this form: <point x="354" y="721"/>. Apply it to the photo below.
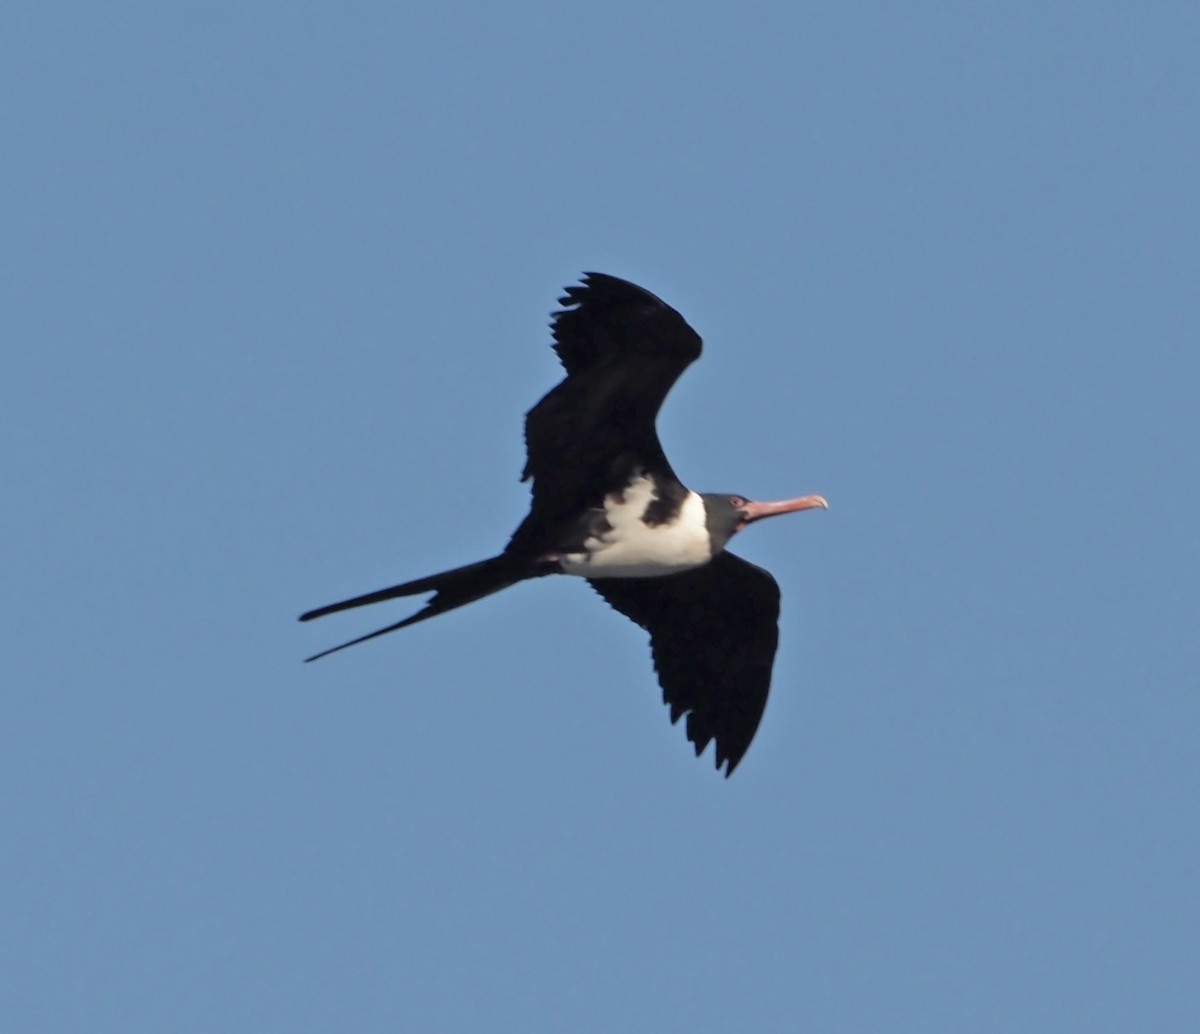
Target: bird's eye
<point x="737" y="500"/>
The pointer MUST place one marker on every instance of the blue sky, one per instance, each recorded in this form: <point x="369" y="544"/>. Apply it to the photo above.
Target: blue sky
<point x="275" y="286"/>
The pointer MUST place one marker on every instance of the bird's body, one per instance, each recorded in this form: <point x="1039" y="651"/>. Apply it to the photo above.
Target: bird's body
<point x="607" y="506"/>
<point x="624" y="545"/>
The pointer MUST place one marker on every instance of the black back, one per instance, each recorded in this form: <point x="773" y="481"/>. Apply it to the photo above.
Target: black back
<point x="713" y="633"/>
<point x="623" y="349"/>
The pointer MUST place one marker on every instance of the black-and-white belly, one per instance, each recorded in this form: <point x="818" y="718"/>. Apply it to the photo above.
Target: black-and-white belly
<point x="626" y="546"/>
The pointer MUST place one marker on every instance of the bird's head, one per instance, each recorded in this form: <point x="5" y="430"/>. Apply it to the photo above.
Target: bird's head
<point x="726" y="515"/>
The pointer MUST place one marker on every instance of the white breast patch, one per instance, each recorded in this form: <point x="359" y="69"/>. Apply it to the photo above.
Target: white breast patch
<point x="632" y="549"/>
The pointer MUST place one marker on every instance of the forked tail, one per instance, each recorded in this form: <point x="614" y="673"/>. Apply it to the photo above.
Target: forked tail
<point x="454" y="588"/>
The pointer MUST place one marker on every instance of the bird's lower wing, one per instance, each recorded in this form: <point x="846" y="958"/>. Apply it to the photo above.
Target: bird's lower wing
<point x="713" y="635"/>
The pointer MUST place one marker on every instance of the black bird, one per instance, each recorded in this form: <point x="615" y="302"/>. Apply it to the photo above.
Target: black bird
<point x="607" y="506"/>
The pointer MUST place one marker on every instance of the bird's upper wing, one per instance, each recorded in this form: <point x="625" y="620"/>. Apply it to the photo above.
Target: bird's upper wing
<point x="622" y="349"/>
<point x="713" y="635"/>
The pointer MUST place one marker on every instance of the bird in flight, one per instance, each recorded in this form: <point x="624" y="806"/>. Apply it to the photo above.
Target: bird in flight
<point x="608" y="507"/>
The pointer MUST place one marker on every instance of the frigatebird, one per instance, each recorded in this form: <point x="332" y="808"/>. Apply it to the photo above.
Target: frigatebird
<point x="608" y="507"/>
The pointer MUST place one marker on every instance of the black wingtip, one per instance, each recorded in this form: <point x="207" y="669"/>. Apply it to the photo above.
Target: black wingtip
<point x="724" y="761"/>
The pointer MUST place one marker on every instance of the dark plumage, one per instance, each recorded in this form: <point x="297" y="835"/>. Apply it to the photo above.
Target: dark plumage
<point x="721" y="619"/>
<point x="607" y="506"/>
<point x="622" y="349"/>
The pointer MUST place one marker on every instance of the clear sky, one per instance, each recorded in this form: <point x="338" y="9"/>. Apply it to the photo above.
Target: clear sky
<point x="274" y="289"/>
